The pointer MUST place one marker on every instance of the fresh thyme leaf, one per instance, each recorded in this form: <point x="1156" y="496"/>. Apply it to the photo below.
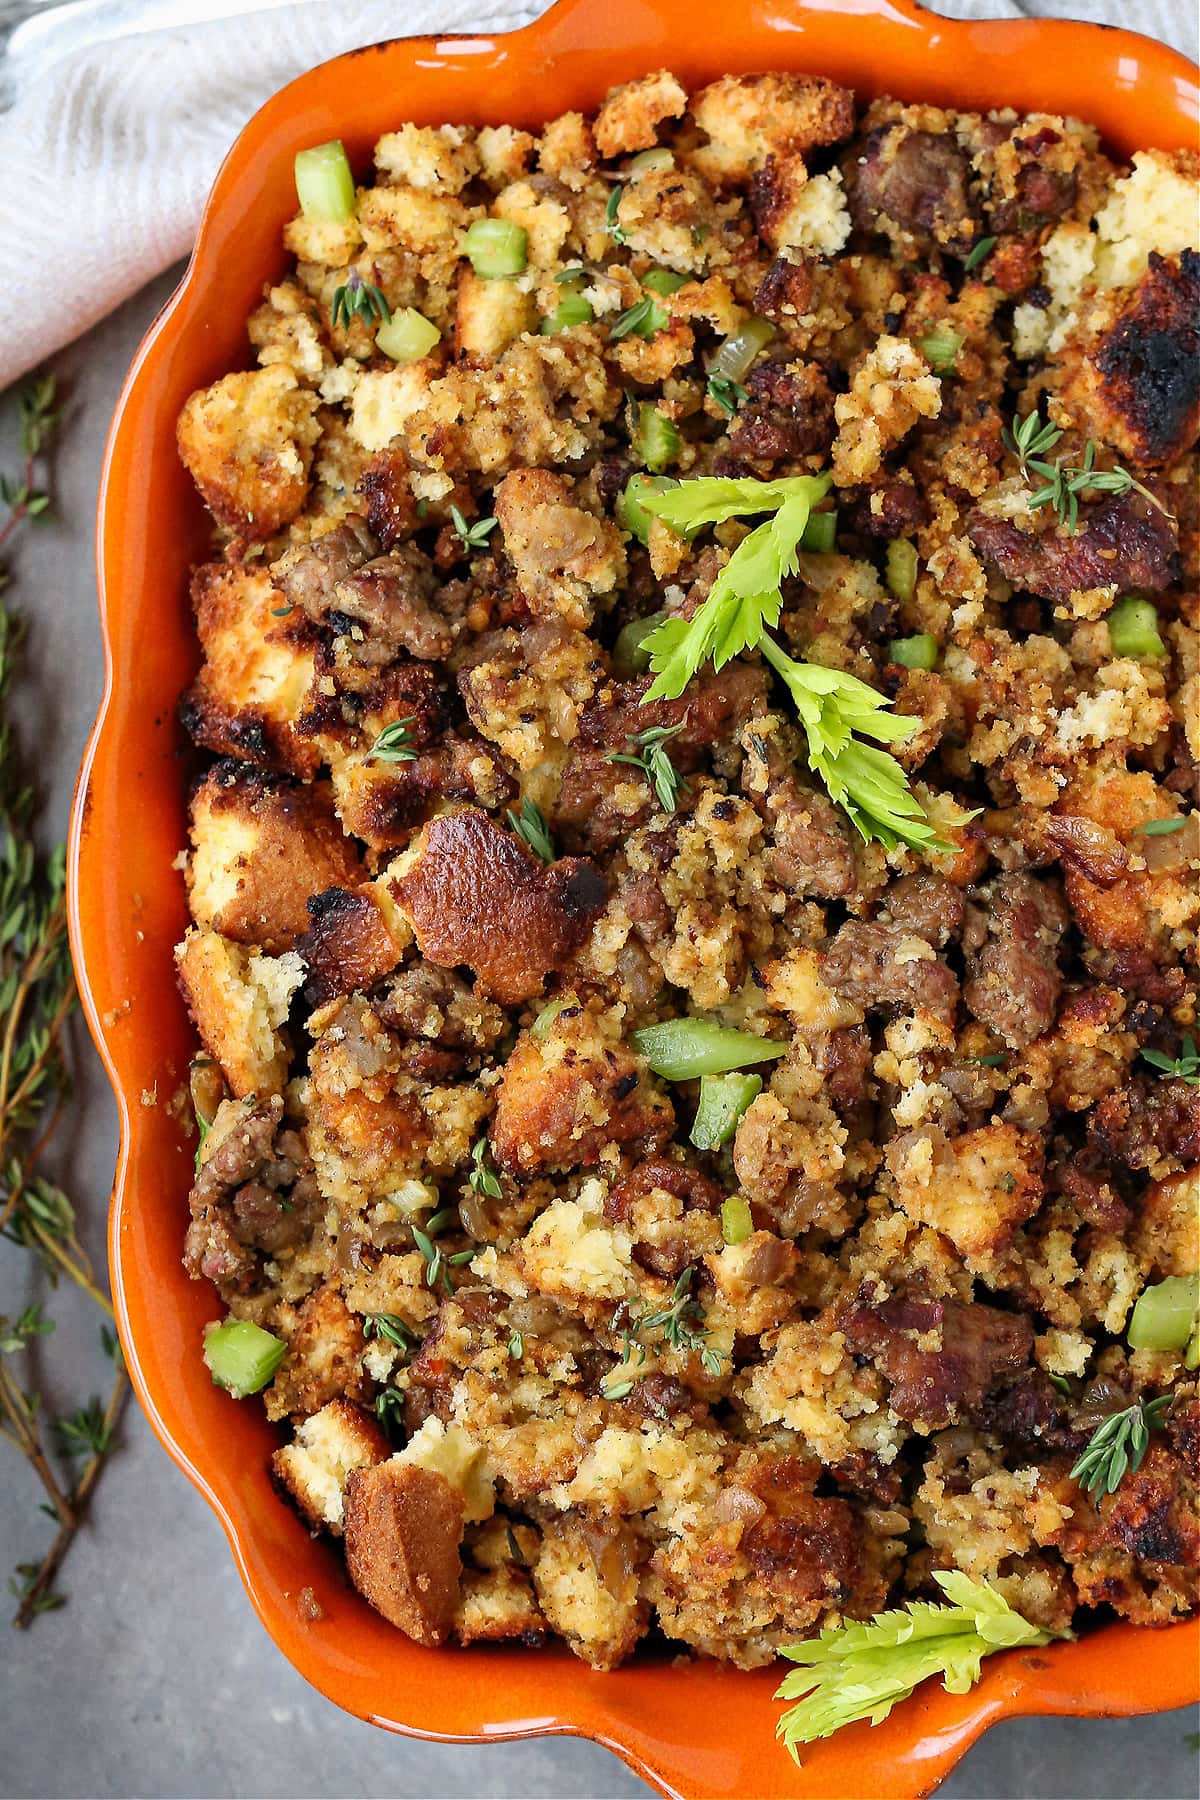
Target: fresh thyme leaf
<point x="516" y="1346"/>
<point x="612" y="223"/>
<point x="1118" y="1445"/>
<point x="860" y="1671"/>
<point x="281" y="612"/>
<point x="576" y="272"/>
<point x="996" y="1060"/>
<point x="475" y="536"/>
<point x="642" y="319"/>
<point x="726" y="393"/>
<point x="1061" y="1383"/>
<point x="389" y="1410"/>
<point x="1160" y="827"/>
<point x="680" y="1324"/>
<point x="979" y="253"/>
<point x="1184" y="1067"/>
<point x="435" y="1260"/>
<point x="17" y="1334"/>
<point x="483" y="1177"/>
<point x="391" y="1328"/>
<point x="652" y="759"/>
<point x="531" y="827"/>
<point x="394" y="744"/>
<point x="86" y="1432"/>
<point x="1062" y="483"/>
<point x="361" y="299"/>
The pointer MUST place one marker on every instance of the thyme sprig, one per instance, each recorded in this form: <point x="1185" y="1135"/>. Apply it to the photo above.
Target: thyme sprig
<point x="1118" y="1445"/>
<point x="726" y="393"/>
<point x="483" y="1178"/>
<point x="474" y="536"/>
<point x="394" y="744"/>
<point x="612" y="222"/>
<point x="1063" y="483"/>
<point x="648" y="753"/>
<point x="37" y="997"/>
<point x="392" y="1329"/>
<point x="680" y="1323"/>
<point x="361" y="299"/>
<point x="531" y="827"/>
<point x="437" y="1263"/>
<point x="1184" y="1067"/>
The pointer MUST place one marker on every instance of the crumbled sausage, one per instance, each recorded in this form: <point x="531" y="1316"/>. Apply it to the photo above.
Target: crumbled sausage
<point x="1013" y="936"/>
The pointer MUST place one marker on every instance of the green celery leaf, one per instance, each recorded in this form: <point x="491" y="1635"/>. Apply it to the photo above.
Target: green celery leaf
<point x="712" y="499"/>
<point x="860" y="1671"/>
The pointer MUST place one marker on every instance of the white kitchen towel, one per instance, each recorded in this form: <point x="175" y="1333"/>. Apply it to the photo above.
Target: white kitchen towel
<point x="109" y="148"/>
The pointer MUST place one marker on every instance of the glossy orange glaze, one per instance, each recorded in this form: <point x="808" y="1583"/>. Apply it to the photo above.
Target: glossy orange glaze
<point x="698" y="1731"/>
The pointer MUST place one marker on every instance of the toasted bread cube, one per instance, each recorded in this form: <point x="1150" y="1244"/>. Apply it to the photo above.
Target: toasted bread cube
<point x="261" y="848"/>
<point x="314" y="1468"/>
<point x="440" y="158"/>
<point x="247" y="444"/>
<point x="453" y="1452"/>
<point x="976" y="1189"/>
<point x="489" y="315"/>
<point x="239" y="1000"/>
<point x="504" y="152"/>
<point x="257" y="673"/>
<point x="348" y="945"/>
<point x="403" y="1527"/>
<point x="567" y="149"/>
<point x="324" y="1358"/>
<point x="600" y="1615"/>
<point x="632" y="113"/>
<point x="545" y="221"/>
<point x="751" y="117"/>
<point x="409" y="218"/>
<point x="497" y="1606"/>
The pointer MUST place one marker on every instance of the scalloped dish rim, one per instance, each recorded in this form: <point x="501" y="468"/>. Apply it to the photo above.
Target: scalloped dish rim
<point x="125" y="910"/>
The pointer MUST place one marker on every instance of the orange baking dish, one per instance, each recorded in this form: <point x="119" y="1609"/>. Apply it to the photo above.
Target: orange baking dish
<point x="695" y="1731"/>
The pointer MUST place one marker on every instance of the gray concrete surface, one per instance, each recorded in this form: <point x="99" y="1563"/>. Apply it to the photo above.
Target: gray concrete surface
<point x="156" y="1679"/>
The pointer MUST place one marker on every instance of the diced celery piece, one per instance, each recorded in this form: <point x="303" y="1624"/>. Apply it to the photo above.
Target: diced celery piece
<point x="940" y="348"/>
<point x="820" y="534"/>
<point x="736" y="1221"/>
<point x="655" y="442"/>
<point x="630" y="511"/>
<point x="657" y="159"/>
<point x="919" y="652"/>
<point x="723" y="1100"/>
<point x="325" y="182"/>
<point x="496" y="248"/>
<point x="573" y="309"/>
<point x="1165" y="1315"/>
<point x="241" y="1356"/>
<point x="627" y="654"/>
<point x="682" y="1049"/>
<point x="901" y="568"/>
<point x="1133" y="628"/>
<point x="407" y="336"/>
<point x="733" y="358"/>
<point x="664" y="281"/>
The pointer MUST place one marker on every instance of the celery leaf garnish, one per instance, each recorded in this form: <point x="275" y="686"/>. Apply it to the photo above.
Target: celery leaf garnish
<point x="860" y="1671"/>
<point x="743" y="605"/>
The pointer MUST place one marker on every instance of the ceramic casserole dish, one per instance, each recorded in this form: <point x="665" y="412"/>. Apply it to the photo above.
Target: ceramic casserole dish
<point x="700" y="1730"/>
